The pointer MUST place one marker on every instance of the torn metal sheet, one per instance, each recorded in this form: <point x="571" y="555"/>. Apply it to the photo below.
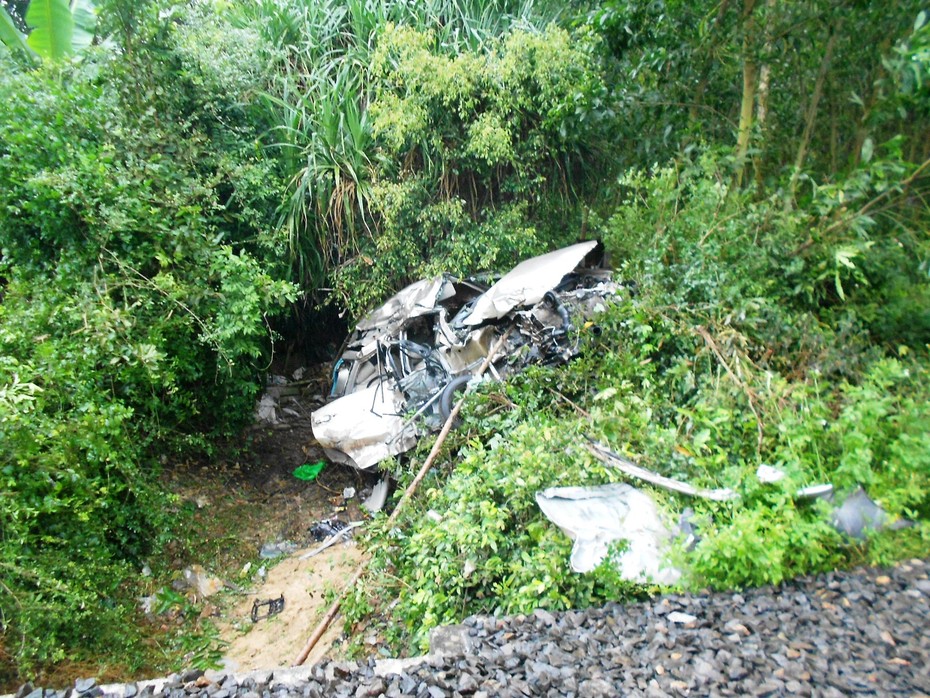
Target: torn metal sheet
<point x="399" y="369"/>
<point x="816" y="492"/>
<point x="608" y="457"/>
<point x="766" y="474"/>
<point x="364" y="428"/>
<point x="417" y="299"/>
<point x="595" y="517"/>
<point x="527" y="283"/>
<point x="858" y="515"/>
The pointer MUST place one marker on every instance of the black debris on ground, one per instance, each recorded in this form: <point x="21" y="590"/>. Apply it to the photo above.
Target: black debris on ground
<point x="839" y="634"/>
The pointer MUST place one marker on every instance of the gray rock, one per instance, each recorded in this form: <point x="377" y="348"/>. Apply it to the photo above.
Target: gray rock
<point x="261" y="678"/>
<point x="386" y="667"/>
<point x="595" y="688"/>
<point x="681" y="618"/>
<point x="450" y="641"/>
<point x="191" y="675"/>
<point x="84" y="685"/>
<point x="786" y="641"/>
<point x="467" y="683"/>
<point x="375" y="688"/>
<point x="408" y="684"/>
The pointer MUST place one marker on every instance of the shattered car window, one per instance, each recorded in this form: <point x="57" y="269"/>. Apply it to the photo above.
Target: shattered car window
<point x="402" y="365"/>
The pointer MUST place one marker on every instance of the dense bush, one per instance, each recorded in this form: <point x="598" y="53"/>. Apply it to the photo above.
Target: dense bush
<point x="133" y="317"/>
<point x="468" y="145"/>
<point x="440" y="131"/>
<point x="727" y="357"/>
<point x="477" y="542"/>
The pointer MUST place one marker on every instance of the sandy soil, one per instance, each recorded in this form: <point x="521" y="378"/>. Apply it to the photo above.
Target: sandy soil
<point x="255" y="500"/>
<point x="275" y="641"/>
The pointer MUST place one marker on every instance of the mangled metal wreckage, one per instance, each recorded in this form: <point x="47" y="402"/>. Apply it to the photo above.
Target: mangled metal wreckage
<point x="401" y="367"/>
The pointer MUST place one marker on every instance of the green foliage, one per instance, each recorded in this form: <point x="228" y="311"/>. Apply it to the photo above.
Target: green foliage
<point x="728" y="356"/>
<point x="882" y="431"/>
<point x="753" y="360"/>
<point x="52" y="28"/>
<point x="201" y="648"/>
<point x="76" y="508"/>
<point x="675" y="70"/>
<point x="318" y="103"/>
<point x="10" y="34"/>
<point x="57" y="28"/>
<point x="485" y="135"/>
<point x="420" y="238"/>
<point x="449" y="115"/>
<point x="134" y="316"/>
<point x="765" y="543"/>
<point x="477" y="542"/>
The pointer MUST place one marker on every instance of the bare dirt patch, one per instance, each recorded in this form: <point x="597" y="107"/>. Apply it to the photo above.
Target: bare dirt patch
<point x="252" y="499"/>
<point x="275" y="641"/>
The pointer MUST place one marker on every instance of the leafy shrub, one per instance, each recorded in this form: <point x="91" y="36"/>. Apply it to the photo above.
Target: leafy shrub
<point x="478" y="543"/>
<point x="468" y="145"/>
<point x="133" y="319"/>
<point x="717" y="363"/>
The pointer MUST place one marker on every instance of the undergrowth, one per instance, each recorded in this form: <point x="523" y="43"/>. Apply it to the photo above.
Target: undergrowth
<point x="719" y="363"/>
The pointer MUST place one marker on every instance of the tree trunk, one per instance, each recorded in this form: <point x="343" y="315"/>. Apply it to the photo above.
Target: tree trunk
<point x="765" y="73"/>
<point x="750" y="84"/>
<point x="862" y="128"/>
<point x="698" y="101"/>
<point x="812" y="113"/>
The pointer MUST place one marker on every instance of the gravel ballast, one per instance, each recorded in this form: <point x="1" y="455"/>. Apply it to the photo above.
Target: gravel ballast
<point x="852" y="633"/>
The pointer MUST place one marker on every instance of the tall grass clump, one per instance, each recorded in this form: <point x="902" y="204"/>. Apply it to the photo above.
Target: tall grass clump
<point x="345" y="65"/>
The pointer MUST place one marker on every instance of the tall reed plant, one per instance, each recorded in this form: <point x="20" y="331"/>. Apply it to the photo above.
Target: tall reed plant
<point x="318" y="100"/>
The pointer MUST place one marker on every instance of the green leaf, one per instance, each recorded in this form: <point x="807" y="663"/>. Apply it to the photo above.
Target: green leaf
<point x="52" y="28"/>
<point x="84" y="15"/>
<point x="868" y="148"/>
<point x="12" y="37"/>
<point x="309" y="472"/>
<point x="921" y="20"/>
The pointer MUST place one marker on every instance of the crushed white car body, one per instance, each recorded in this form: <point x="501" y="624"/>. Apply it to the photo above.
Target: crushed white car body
<point x="402" y="365"/>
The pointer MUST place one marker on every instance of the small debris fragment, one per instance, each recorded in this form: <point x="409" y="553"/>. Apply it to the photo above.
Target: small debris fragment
<point x="198" y="579"/>
<point x="265" y="609"/>
<point x="375" y="501"/>
<point x="681" y="618"/>
<point x="322" y="530"/>
<point x="308" y="472"/>
<point x="767" y="474"/>
<point x="270" y="551"/>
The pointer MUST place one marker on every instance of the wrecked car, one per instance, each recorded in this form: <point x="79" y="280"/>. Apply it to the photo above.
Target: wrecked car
<point x="401" y="367"/>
